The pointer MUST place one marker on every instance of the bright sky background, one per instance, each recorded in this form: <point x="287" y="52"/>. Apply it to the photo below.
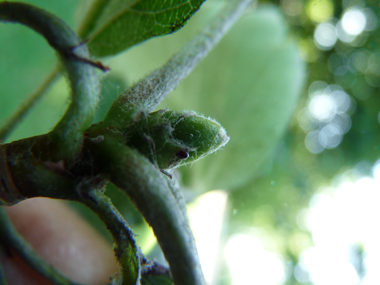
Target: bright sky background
<point x="343" y="220"/>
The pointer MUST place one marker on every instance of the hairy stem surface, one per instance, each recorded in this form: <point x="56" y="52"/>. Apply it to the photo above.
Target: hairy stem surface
<point x="125" y="247"/>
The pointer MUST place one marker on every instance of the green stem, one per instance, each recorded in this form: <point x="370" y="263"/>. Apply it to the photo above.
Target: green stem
<point x="10" y="237"/>
<point x="153" y="196"/>
<point x="16" y="118"/>
<point x="82" y="76"/>
<point x="150" y="91"/>
<point x="126" y="250"/>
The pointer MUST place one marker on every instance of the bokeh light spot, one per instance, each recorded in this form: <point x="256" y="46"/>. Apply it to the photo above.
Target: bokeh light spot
<point x="250" y="263"/>
<point x="330" y="136"/>
<point x="359" y="61"/>
<point x="325" y="36"/>
<point x="342" y="35"/>
<point x="319" y="11"/>
<point x="343" y="122"/>
<point x="312" y="142"/>
<point x="372" y="21"/>
<point x="322" y="107"/>
<point x="317" y="87"/>
<point x="342" y="101"/>
<point x="354" y="22"/>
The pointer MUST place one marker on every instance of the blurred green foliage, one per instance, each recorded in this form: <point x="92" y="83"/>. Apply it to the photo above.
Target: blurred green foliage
<point x="26" y="59"/>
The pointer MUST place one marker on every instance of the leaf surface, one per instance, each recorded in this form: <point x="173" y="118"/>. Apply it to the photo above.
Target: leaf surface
<point x="113" y="26"/>
<point x="250" y="83"/>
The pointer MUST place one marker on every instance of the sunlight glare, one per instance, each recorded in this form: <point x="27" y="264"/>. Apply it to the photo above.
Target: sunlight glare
<point x="327" y="268"/>
<point x="207" y="218"/>
<point x="343" y="220"/>
<point x="250" y="263"/>
<point x="322" y="107"/>
<point x="354" y="22"/>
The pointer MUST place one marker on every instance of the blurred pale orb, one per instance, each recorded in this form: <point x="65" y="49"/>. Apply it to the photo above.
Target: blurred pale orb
<point x="343" y="121"/>
<point x="342" y="101"/>
<point x="359" y="60"/>
<point x="319" y="11"/>
<point x="372" y="20"/>
<point x="317" y="86"/>
<point x="312" y="142"/>
<point x="325" y="36"/>
<point x="361" y="169"/>
<point x="326" y="116"/>
<point x="323" y="107"/>
<point x="330" y="136"/>
<point x="305" y="121"/>
<point x="372" y="75"/>
<point x="249" y="263"/>
<point x="354" y="22"/>
<point x="342" y="35"/>
<point x="372" y="78"/>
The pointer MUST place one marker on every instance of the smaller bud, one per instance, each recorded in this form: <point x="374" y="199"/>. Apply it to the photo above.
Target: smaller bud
<point x="172" y="138"/>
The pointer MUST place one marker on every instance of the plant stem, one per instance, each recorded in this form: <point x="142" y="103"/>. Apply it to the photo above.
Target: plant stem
<point x="81" y="73"/>
<point x="126" y="250"/>
<point x="153" y="196"/>
<point x="10" y="237"/>
<point x="16" y="118"/>
<point x="150" y="91"/>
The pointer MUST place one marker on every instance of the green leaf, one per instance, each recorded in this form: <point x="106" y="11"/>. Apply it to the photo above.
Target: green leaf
<point x="250" y="83"/>
<point x="115" y="25"/>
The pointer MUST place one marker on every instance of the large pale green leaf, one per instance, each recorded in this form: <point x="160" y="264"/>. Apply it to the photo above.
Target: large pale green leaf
<point x="250" y="83"/>
<point x="115" y="25"/>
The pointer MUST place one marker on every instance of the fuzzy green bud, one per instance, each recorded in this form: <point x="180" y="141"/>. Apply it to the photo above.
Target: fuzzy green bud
<point x="172" y="138"/>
